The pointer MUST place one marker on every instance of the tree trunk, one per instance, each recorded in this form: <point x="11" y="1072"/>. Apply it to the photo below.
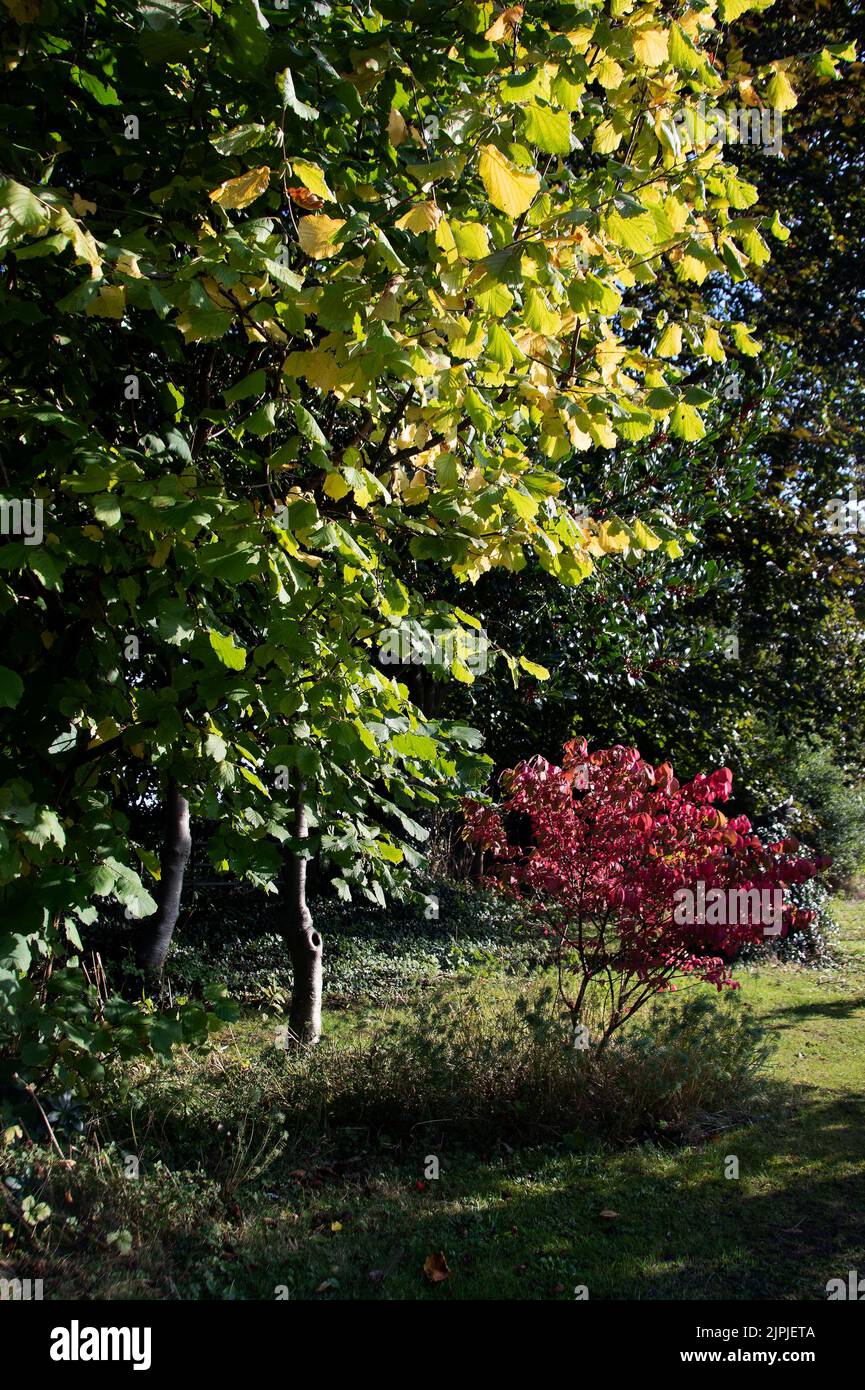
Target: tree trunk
<point x="155" y="937"/>
<point x="304" y="944"/>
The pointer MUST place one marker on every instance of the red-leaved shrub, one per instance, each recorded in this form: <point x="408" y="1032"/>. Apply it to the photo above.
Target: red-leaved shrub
<point x="637" y="881"/>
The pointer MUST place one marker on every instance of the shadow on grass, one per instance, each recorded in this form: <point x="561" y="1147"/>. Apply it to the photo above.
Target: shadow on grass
<point x="642" y="1222"/>
<point x="635" y="1225"/>
<point x="828" y="1008"/>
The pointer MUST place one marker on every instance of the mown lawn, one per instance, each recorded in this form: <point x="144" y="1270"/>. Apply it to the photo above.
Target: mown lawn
<point x="646" y="1221"/>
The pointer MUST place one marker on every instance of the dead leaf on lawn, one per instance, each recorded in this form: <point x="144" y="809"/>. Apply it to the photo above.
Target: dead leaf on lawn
<point x="435" y="1267"/>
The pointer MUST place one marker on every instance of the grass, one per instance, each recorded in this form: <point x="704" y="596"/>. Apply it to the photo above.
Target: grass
<point x="243" y="1214"/>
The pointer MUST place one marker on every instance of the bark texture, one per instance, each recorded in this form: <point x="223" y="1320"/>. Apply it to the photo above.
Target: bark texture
<point x="157" y="931"/>
<point x="304" y="944"/>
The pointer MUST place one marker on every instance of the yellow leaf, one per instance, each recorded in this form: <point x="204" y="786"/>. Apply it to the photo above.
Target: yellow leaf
<point x="240" y="192"/>
<point x="160" y="554"/>
<point x="445" y="239"/>
<point x="422" y="217"/>
<point x="651" y="47"/>
<point x="504" y="26"/>
<point x="335" y="486"/>
<point x="239" y="294"/>
<point x="312" y="178"/>
<point x="106" y="729"/>
<point x="317" y="234"/>
<point x="610" y="73"/>
<point x="81" y="205"/>
<point x="670" y="341"/>
<point x="743" y="340"/>
<point x="397" y="130"/>
<point x="644" y="536"/>
<point x="128" y="265"/>
<point x="613" y="535"/>
<point x="25" y="11"/>
<point x="322" y="370"/>
<point x="110" y="303"/>
<point x="388" y="306"/>
<point x="606" y="138"/>
<point x="579" y="39"/>
<point x="780" y="94"/>
<point x="510" y="189"/>
<point x="712" y="346"/>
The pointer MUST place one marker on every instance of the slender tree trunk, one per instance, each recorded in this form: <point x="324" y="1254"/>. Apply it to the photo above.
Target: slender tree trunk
<point x="304" y="944"/>
<point x="155" y="936"/>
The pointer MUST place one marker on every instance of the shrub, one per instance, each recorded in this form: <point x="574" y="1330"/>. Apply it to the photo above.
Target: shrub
<point x="634" y="879"/>
<point x="488" y="1063"/>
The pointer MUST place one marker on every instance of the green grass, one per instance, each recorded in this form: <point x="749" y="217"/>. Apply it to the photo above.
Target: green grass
<point x="358" y="1220"/>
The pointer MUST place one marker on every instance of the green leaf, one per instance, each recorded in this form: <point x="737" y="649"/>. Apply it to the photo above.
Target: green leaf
<point x="252" y="385"/>
<point x="285" y="85"/>
<point x="419" y="746"/>
<point x="534" y="669"/>
<point x="11" y="687"/>
<point x="687" y="423"/>
<point x="240" y="138"/>
<point x="230" y="655"/>
<point x="548" y="129"/>
<point x="25" y="209"/>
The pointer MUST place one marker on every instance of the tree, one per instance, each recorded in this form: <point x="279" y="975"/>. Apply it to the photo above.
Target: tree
<point x="754" y="635"/>
<point x="293" y="305"/>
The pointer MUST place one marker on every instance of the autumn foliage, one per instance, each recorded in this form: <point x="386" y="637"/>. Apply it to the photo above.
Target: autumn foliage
<point x="605" y="850"/>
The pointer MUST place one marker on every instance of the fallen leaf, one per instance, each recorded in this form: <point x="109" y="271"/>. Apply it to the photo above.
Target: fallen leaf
<point x="435" y="1267"/>
<point x="610" y="1215"/>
